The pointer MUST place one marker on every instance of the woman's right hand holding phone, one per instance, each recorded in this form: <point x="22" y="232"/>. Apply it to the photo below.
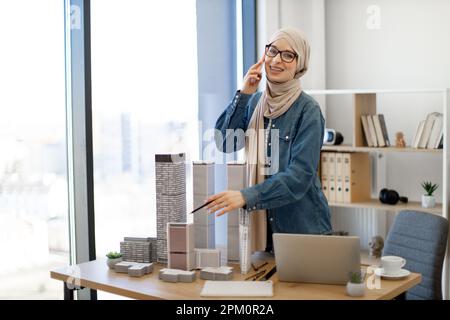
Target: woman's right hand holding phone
<point x="253" y="77"/>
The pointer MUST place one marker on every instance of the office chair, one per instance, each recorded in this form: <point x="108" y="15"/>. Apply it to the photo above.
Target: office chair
<point x="421" y="239"/>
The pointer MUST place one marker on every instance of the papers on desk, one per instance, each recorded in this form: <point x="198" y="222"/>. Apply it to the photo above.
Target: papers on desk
<point x="237" y="289"/>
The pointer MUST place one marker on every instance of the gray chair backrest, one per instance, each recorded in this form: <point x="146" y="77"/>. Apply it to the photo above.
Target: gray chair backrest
<point x="421" y="239"/>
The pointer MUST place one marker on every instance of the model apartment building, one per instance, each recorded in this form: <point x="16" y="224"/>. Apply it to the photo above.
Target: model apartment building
<point x="139" y="249"/>
<point x="180" y="246"/>
<point x="170" y="172"/>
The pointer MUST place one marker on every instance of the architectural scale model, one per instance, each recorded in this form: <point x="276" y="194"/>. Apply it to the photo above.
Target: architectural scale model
<point x="175" y="275"/>
<point x="219" y="274"/>
<point x="203" y="187"/>
<point x="180" y="245"/>
<point x="138" y="249"/>
<point x="236" y="172"/>
<point x="207" y="258"/>
<point x="170" y="172"/>
<point x="134" y="269"/>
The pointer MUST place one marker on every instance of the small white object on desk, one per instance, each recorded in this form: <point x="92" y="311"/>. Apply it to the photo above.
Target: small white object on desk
<point x="134" y="269"/>
<point x="237" y="289"/>
<point x="402" y="273"/>
<point x="222" y="273"/>
<point x="176" y="275"/>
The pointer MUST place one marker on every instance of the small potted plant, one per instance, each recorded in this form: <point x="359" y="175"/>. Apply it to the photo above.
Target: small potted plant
<point x="428" y="200"/>
<point x="355" y="285"/>
<point x="113" y="259"/>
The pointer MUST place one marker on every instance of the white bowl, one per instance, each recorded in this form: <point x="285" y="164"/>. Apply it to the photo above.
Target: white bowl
<point x="112" y="262"/>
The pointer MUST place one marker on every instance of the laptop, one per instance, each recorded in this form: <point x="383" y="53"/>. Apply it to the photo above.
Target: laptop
<point x="316" y="258"/>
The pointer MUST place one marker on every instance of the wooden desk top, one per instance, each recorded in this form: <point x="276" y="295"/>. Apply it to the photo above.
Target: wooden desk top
<point x="96" y="275"/>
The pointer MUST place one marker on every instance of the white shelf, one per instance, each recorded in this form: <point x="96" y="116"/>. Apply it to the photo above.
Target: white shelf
<point x="349" y="148"/>
<point x="376" y="91"/>
<point x="376" y="204"/>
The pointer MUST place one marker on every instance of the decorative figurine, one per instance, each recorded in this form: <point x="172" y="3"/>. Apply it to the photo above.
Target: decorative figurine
<point x="376" y="246"/>
<point x="399" y="140"/>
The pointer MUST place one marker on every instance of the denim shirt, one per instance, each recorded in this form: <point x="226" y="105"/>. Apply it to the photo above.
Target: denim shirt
<point x="293" y="196"/>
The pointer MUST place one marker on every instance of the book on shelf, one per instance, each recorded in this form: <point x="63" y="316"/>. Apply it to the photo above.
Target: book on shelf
<point x="375" y="130"/>
<point x="419" y="131"/>
<point x="441" y="143"/>
<point x="428" y="126"/>
<point x="379" y="133"/>
<point x="373" y="134"/>
<point x="365" y="126"/>
<point x="429" y="132"/>
<point x="384" y="130"/>
<point x="436" y="132"/>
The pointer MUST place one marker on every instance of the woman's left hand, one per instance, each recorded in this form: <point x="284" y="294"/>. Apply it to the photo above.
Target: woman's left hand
<point x="227" y="201"/>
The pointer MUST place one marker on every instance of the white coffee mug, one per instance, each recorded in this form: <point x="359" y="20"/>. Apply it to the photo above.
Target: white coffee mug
<point x="392" y="264"/>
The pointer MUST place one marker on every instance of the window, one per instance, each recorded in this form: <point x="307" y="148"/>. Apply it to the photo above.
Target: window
<point x="33" y="180"/>
<point x="144" y="101"/>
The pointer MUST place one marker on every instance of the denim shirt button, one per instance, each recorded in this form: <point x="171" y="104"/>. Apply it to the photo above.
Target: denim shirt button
<point x="273" y="126"/>
<point x="271" y="219"/>
<point x="254" y="207"/>
<point x="287" y="137"/>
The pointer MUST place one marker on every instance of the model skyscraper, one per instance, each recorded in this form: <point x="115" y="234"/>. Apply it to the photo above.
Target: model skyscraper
<point x="203" y="187"/>
<point x="170" y="197"/>
<point x="236" y="172"/>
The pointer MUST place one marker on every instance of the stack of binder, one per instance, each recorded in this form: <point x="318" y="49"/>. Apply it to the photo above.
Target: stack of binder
<point x="345" y="177"/>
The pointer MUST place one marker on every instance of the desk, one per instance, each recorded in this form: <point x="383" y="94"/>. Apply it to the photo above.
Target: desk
<point x="96" y="275"/>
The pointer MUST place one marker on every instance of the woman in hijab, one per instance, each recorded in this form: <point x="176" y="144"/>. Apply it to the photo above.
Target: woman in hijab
<point x="284" y="130"/>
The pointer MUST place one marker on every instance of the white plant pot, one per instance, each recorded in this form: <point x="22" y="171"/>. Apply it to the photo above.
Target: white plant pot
<point x="356" y="289"/>
<point x="428" y="201"/>
<point x="112" y="262"/>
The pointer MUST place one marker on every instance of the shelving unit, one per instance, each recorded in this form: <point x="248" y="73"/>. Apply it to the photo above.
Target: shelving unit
<point x="365" y="103"/>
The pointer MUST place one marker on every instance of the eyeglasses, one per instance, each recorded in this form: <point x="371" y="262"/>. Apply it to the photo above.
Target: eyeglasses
<point x="286" y="56"/>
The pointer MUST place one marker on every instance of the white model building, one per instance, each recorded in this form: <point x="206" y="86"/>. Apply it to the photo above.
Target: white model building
<point x="207" y="258"/>
<point x="170" y="197"/>
<point x="180" y="246"/>
<point x="236" y="173"/>
<point x="138" y="249"/>
<point x="203" y="187"/>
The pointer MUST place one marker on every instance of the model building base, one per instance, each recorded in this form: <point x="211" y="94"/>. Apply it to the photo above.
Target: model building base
<point x="134" y="269"/>
<point x="176" y="275"/>
<point x="218" y="274"/>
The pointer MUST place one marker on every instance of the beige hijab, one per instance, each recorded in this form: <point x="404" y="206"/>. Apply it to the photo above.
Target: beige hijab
<point x="275" y="101"/>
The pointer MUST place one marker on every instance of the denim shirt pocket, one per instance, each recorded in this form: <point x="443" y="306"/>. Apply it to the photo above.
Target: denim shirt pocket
<point x="285" y="138"/>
